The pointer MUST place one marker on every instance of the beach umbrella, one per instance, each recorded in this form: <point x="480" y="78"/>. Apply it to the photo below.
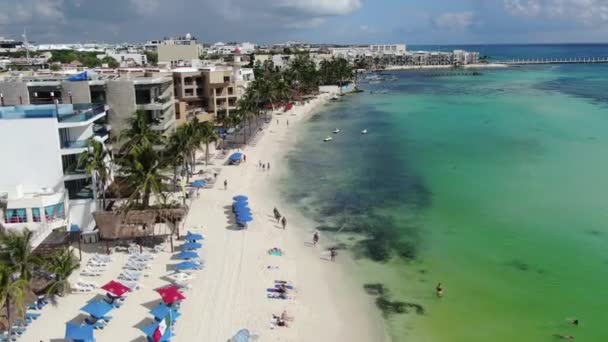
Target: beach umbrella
<point x="236" y="156"/>
<point x="242" y="335"/>
<point x="97" y="308"/>
<point x="198" y="183"/>
<point x="187" y="255"/>
<point x="77" y="332"/>
<point x="170" y="294"/>
<point x="187" y="265"/>
<point x="162" y="310"/>
<point x="243" y="211"/>
<point x="193" y="237"/>
<point x="116" y="288"/>
<point x="240" y="198"/>
<point x="244" y="219"/>
<point x="191" y="245"/>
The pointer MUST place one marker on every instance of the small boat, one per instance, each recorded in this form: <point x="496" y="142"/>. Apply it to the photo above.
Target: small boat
<point x="328" y="139"/>
<point x="336" y="131"/>
<point x="364" y="131"/>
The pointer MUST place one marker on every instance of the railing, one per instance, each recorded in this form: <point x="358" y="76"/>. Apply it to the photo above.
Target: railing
<point x="574" y="60"/>
<point x="82" y="112"/>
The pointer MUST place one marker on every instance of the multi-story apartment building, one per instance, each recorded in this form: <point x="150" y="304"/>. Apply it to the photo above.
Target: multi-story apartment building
<point x="207" y="92"/>
<point x="41" y="185"/>
<point x="393" y="49"/>
<point x="178" y="51"/>
<point x="45" y="122"/>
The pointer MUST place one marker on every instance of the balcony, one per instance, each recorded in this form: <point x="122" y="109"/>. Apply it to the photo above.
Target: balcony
<point x="73" y="147"/>
<point x="163" y="123"/>
<point x="82" y="115"/>
<point x="159" y="103"/>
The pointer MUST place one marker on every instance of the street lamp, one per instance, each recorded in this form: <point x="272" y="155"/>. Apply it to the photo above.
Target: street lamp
<point x="1" y="100"/>
<point x="70" y="95"/>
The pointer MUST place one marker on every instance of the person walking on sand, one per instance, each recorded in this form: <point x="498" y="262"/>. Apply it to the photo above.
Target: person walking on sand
<point x="284" y="222"/>
<point x="263" y="167"/>
<point x="287" y="122"/>
<point x="244" y="158"/>
<point x="315" y="238"/>
<point x="332" y="254"/>
<point x="225" y="184"/>
<point x="268" y="167"/>
<point x="439" y="290"/>
<point x="260" y="164"/>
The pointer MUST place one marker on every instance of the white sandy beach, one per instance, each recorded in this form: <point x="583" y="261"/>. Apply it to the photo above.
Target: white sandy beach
<point x="230" y="292"/>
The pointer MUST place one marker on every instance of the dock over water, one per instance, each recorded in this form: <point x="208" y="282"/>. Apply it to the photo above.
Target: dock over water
<point x="532" y="61"/>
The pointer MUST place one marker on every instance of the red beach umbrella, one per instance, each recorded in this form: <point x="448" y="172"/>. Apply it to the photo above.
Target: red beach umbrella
<point x="116" y="288"/>
<point x="170" y="294"/>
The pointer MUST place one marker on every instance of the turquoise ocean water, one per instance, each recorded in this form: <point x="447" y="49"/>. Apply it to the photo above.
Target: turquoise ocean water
<point x="494" y="185"/>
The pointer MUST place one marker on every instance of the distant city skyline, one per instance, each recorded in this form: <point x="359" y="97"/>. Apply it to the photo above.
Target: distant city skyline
<point x="320" y="21"/>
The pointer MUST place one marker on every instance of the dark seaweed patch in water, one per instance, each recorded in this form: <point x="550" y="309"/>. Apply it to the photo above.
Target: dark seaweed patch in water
<point x="384" y="239"/>
<point x="349" y="182"/>
<point x="388" y="306"/>
<point x="591" y="88"/>
<point x="519" y="265"/>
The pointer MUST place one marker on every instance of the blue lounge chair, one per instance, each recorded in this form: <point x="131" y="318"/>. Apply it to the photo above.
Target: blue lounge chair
<point x="31" y="315"/>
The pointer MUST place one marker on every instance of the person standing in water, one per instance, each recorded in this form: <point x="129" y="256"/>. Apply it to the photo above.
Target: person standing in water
<point x="284" y="222"/>
<point x="315" y="238"/>
<point x="439" y="290"/>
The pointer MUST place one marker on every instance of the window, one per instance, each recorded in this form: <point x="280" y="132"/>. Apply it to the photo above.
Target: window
<point x="15" y="216"/>
<point x="36" y="215"/>
<point x="189" y="92"/>
<point x="226" y="79"/>
<point x="54" y="212"/>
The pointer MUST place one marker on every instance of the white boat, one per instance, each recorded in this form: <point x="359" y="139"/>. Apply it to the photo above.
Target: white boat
<point x="364" y="131"/>
<point x="337" y="130"/>
<point x="328" y="139"/>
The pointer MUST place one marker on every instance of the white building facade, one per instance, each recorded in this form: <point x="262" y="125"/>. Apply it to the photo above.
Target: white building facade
<point x="42" y="187"/>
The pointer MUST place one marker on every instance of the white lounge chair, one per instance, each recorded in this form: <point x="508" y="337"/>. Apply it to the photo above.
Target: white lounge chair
<point x="132" y="284"/>
<point x="102" y="258"/>
<point x="91" y="272"/>
<point x="96" y="263"/>
<point x="135" y="267"/>
<point x="78" y="288"/>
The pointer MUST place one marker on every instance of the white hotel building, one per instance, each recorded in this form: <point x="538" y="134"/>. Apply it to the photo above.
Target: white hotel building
<point x="41" y="186"/>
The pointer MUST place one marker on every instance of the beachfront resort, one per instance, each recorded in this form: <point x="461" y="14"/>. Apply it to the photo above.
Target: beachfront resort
<point x="137" y="203"/>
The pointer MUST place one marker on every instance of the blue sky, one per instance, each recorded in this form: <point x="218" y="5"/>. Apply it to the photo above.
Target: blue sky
<point x="337" y="21"/>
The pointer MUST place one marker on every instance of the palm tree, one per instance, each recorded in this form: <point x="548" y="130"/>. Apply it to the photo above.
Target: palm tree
<point x="208" y="135"/>
<point x="96" y="164"/>
<point x="138" y="133"/>
<point x="143" y="169"/>
<point x="61" y="264"/>
<point x="12" y="290"/>
<point x="17" y="252"/>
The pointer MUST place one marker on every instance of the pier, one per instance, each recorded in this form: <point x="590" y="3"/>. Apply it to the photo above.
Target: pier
<point x="532" y="61"/>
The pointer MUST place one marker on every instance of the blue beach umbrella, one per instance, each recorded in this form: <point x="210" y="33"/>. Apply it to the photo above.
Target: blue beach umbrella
<point x="236" y="156"/>
<point x="77" y="332"/>
<point x="198" y="183"/>
<point x="162" y="310"/>
<point x="187" y="265"/>
<point x="240" y="198"/>
<point x="193" y="237"/>
<point x="244" y="219"/>
<point x="97" y="308"/>
<point x="187" y="255"/>
<point x="241" y="211"/>
<point x="242" y="335"/>
<point x="191" y="246"/>
<point x="243" y="215"/>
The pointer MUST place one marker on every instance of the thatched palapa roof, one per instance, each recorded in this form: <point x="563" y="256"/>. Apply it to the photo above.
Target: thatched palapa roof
<point x="124" y="225"/>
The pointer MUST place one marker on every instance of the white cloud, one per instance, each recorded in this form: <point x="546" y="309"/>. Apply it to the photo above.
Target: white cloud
<point x="145" y="7"/>
<point x="454" y="20"/>
<point x="25" y="11"/>
<point x="588" y="12"/>
<point x="286" y="13"/>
